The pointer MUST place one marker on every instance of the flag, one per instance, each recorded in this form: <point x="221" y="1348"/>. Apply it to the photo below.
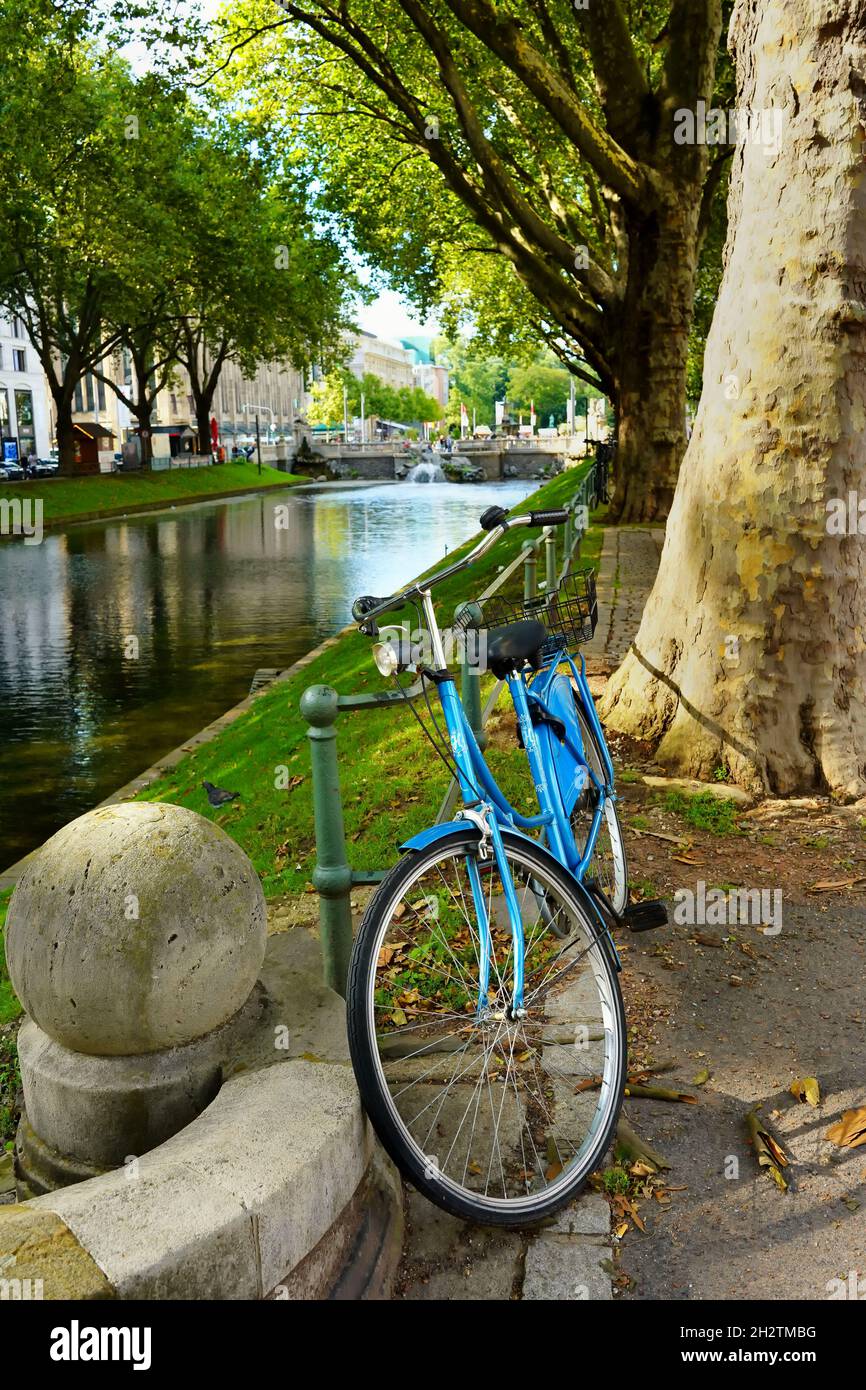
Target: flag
<point x="464" y="414"/>
<point x="532" y="413"/>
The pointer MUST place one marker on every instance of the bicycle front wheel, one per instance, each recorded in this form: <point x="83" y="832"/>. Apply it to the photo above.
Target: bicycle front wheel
<point x="497" y="1119"/>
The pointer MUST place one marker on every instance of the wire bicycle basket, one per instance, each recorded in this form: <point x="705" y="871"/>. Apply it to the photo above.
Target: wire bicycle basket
<point x="570" y="612"/>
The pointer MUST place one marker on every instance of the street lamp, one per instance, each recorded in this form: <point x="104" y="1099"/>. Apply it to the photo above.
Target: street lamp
<point x="258" y="409"/>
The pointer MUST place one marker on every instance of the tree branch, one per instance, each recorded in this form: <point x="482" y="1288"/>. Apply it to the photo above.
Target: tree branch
<point x="711" y="186"/>
<point x="500" y="187"/>
<point x="503" y="36"/>
<point x="619" y="77"/>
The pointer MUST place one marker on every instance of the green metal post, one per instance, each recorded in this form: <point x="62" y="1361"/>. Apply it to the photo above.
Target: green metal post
<point x="550" y="562"/>
<point x="470" y="679"/>
<point x="569" y="532"/>
<point x="332" y="875"/>
<point x="530" y="572"/>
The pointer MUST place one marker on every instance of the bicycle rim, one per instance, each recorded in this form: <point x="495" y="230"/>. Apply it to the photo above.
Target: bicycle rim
<point x="494" y="1118"/>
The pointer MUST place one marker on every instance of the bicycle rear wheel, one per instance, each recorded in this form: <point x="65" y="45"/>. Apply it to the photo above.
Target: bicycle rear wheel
<point x="496" y="1119"/>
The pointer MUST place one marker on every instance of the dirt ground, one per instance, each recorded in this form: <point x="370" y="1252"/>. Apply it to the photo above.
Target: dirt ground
<point x="733" y="1014"/>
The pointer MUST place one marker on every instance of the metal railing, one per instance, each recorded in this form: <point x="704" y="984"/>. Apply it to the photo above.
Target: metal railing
<point x="333" y="877"/>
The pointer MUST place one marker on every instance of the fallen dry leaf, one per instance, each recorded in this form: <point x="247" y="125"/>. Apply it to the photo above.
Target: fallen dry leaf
<point x="827" y="886"/>
<point x="806" y="1088"/>
<point x="768" y="1150"/>
<point x="850" y="1131"/>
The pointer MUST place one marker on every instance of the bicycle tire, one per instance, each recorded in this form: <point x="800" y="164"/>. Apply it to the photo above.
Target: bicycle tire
<point x="365" y="1044"/>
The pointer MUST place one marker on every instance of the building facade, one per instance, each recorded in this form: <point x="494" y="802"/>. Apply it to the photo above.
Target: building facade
<point x="433" y="379"/>
<point x="276" y="392"/>
<point x="25" y="421"/>
<point x="390" y="362"/>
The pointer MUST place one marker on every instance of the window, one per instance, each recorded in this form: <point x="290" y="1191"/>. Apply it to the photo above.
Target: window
<point x="18" y="330"/>
<point x="4" y="413"/>
<point x="19" y="360"/>
<point x="24" y="414"/>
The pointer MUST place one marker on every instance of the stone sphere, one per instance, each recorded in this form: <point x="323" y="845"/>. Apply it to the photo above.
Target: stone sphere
<point x="135" y="928"/>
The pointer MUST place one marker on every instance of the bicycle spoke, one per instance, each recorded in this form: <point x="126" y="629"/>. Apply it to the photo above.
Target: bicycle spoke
<point x="492" y="1103"/>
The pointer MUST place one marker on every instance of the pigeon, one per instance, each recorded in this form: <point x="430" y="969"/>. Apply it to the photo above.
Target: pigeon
<point x="217" y="796"/>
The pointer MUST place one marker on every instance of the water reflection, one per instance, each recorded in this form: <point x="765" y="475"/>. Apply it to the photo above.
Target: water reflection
<point x="120" y="639"/>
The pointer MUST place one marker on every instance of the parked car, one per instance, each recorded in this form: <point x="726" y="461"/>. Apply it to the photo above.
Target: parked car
<point x="43" y="468"/>
<point x="12" y="471"/>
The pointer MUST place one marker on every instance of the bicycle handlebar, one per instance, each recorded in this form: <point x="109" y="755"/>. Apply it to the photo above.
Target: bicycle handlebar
<point x="495" y="521"/>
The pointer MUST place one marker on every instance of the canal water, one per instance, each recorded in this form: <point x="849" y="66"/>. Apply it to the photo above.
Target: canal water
<point x="119" y="639"/>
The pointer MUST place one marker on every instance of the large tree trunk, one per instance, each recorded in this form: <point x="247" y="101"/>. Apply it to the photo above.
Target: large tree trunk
<point x="144" y="416"/>
<point x="751" y="651"/>
<point x="202" y="420"/>
<point x="651" y="356"/>
<point x="70" y="464"/>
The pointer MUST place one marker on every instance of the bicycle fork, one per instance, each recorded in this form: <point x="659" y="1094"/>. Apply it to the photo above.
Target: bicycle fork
<point x="491" y="850"/>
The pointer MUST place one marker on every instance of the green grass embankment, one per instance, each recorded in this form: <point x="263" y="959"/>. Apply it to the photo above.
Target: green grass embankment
<point x="9" y="1006"/>
<point x="112" y="494"/>
<point x="392" y="781"/>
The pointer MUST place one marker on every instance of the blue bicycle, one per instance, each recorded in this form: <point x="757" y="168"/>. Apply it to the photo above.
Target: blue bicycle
<point x="485" y="1017"/>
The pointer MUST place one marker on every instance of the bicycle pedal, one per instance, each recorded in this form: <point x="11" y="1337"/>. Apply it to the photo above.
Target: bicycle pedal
<point x="645" y="916"/>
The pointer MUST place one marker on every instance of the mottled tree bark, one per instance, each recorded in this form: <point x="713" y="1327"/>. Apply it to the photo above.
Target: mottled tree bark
<point x="652" y="339"/>
<point x="752" y="647"/>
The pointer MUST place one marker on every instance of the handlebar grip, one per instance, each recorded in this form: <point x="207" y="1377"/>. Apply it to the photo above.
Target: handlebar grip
<point x="555" y="516"/>
<point x="364" y="605"/>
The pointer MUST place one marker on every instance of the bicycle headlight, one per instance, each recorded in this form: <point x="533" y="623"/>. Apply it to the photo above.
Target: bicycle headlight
<point x="387" y="658"/>
<point x="396" y="654"/>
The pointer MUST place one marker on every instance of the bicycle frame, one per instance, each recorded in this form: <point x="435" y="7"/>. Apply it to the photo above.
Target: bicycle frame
<point x="477" y="785"/>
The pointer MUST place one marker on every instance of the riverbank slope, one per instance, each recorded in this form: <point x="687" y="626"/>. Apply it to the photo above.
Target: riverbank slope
<point x="391" y="778"/>
<point x="120" y="494"/>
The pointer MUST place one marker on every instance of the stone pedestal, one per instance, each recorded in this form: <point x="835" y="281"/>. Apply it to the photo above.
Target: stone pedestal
<point x="134" y="941"/>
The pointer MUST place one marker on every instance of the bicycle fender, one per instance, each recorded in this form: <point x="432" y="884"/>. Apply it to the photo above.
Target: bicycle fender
<point x="439" y="832"/>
